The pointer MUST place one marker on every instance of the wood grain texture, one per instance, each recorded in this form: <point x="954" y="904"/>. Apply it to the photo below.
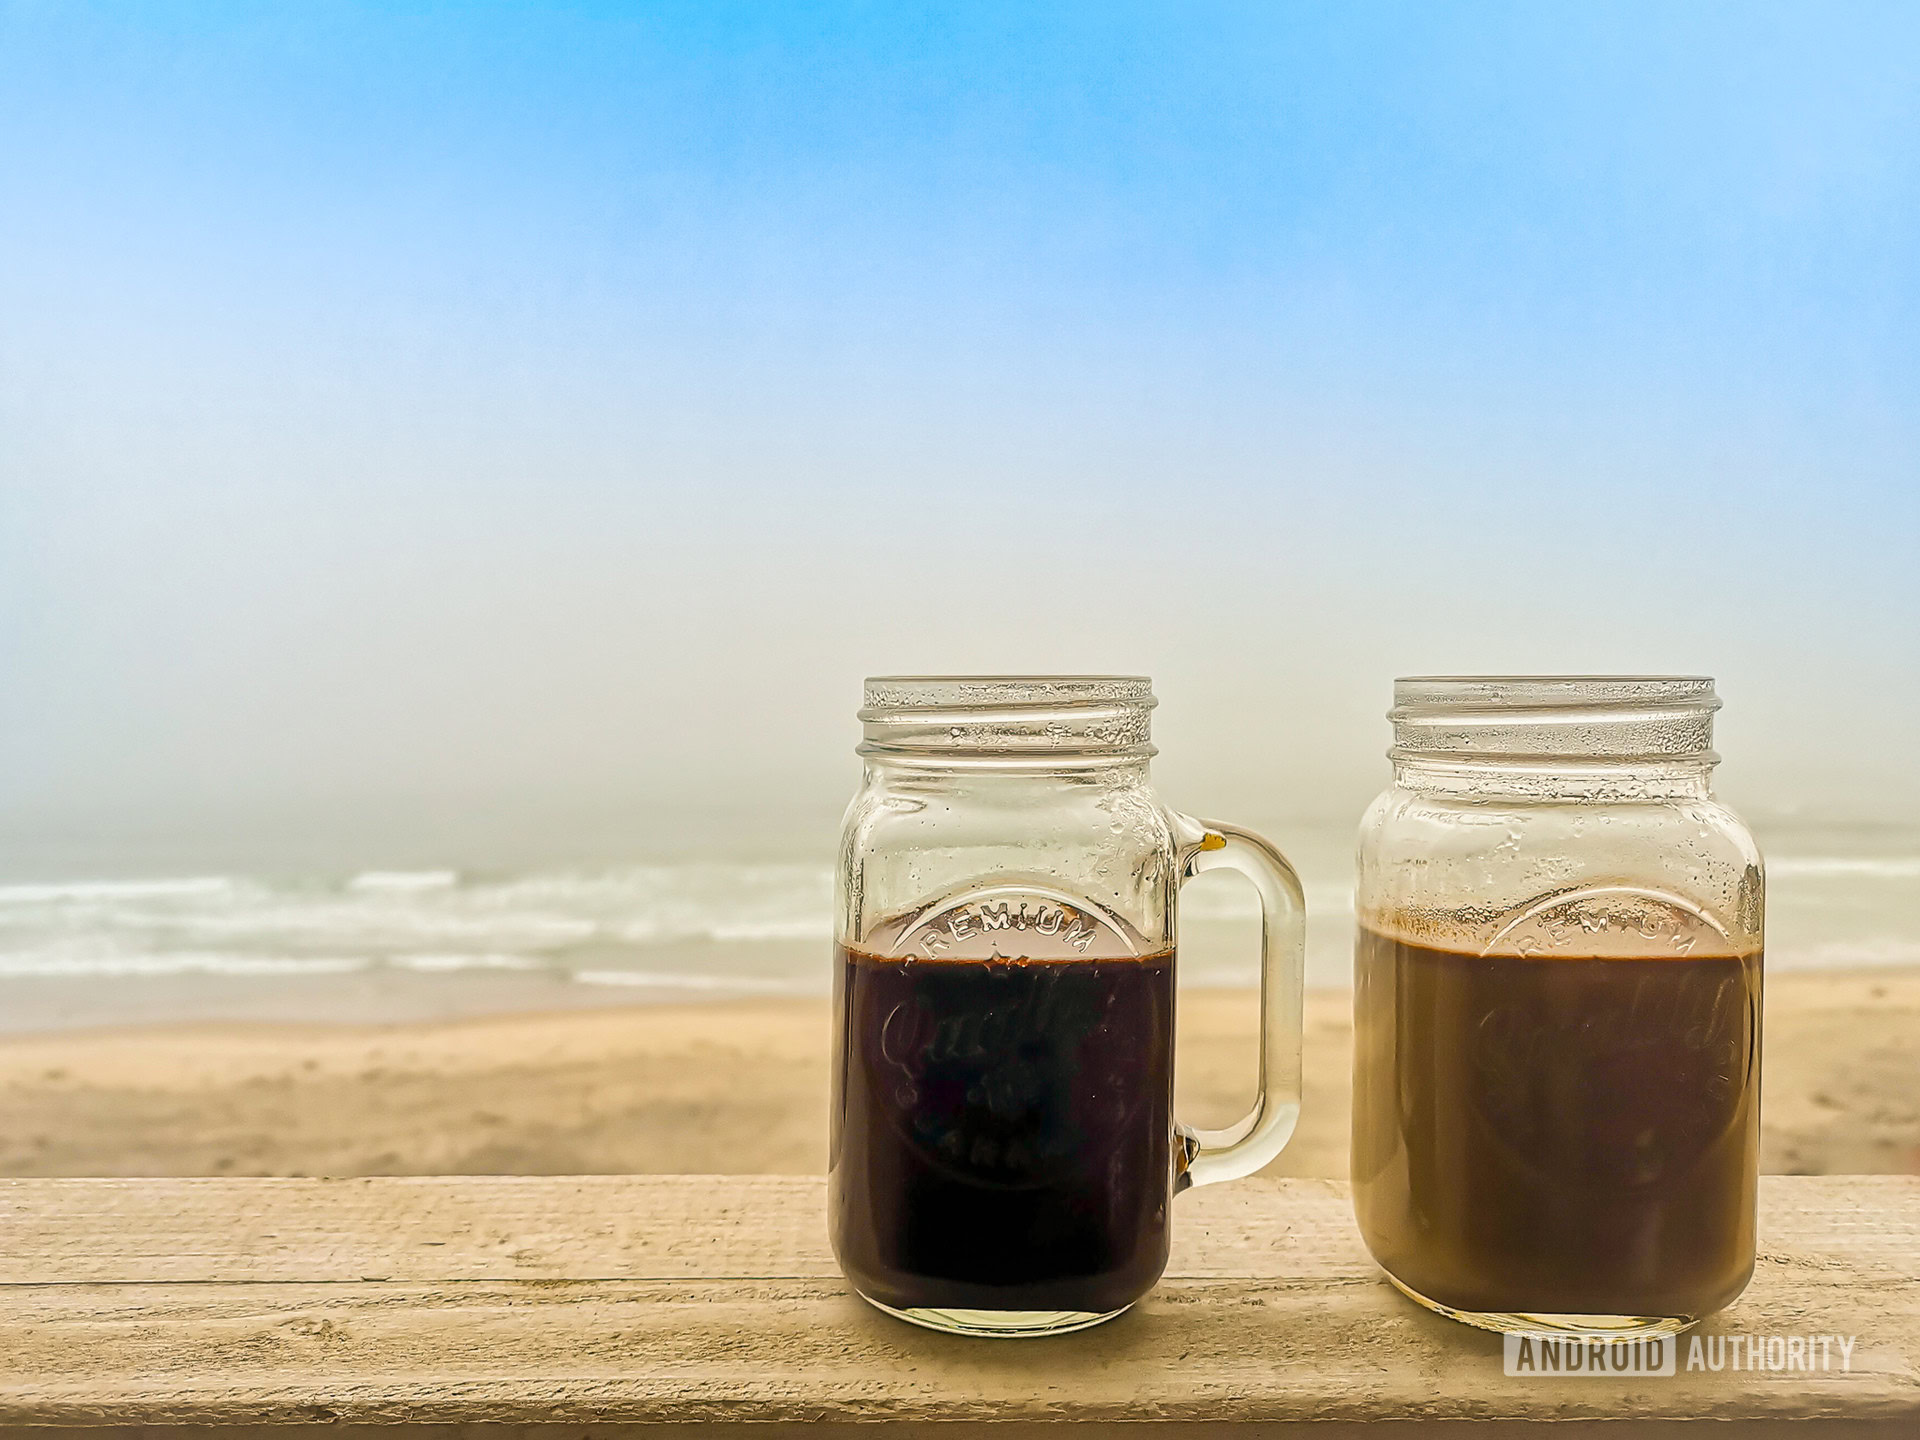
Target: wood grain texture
<point x="609" y="1303"/>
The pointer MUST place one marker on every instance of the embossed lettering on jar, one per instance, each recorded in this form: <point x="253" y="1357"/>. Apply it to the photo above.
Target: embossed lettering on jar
<point x="1557" y="1007"/>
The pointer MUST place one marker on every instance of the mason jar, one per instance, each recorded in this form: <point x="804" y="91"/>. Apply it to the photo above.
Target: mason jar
<point x="1557" y="999"/>
<point x="1003" y="1147"/>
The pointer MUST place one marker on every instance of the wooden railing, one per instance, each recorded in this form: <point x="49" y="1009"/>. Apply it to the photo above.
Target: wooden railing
<point x="593" y="1306"/>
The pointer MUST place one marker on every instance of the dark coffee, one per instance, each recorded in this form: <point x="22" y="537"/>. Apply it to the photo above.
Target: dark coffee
<point x="1003" y="1130"/>
<point x="1557" y="1135"/>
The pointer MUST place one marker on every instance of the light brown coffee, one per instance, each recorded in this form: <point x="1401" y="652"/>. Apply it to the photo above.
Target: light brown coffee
<point x="1555" y="1134"/>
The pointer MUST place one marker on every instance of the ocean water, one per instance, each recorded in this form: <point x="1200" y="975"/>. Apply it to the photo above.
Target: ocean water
<point x="416" y="943"/>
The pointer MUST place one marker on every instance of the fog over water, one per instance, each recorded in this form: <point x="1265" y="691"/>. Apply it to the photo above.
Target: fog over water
<point x="499" y="443"/>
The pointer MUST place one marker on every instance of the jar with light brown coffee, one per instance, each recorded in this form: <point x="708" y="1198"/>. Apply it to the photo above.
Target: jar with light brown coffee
<point x="1557" y="1007"/>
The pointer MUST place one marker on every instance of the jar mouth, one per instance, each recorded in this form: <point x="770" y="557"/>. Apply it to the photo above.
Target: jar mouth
<point x="1012" y="716"/>
<point x="1534" y="692"/>
<point x="1544" y="718"/>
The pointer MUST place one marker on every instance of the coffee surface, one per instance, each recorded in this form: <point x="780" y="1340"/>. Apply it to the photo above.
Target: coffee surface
<point x="1554" y="1134"/>
<point x="1003" y="1129"/>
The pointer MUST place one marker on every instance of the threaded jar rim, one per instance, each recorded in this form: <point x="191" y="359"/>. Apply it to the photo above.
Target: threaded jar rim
<point x="1523" y="718"/>
<point x="1015" y="716"/>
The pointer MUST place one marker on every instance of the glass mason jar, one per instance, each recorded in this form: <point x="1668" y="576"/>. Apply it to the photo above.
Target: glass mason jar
<point x="1003" y="1148"/>
<point x="1556" y="1104"/>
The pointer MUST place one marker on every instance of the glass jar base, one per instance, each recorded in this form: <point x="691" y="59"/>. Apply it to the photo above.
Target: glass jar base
<point x="1000" y="1324"/>
<point x="1613" y="1327"/>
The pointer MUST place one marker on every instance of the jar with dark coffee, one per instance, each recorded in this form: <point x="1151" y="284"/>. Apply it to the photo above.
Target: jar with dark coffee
<point x="1003" y="1148"/>
<point x="1556" y="1109"/>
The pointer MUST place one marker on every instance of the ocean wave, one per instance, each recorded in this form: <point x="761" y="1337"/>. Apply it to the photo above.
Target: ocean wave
<point x="427" y="921"/>
<point x="403" y="882"/>
<point x="653" y="926"/>
<point x="813" y="928"/>
<point x="680" y="980"/>
<point x="193" y="888"/>
<point x="1881" y="867"/>
<point x="350" y="922"/>
<point x="1241" y="902"/>
<point x="1869" y="954"/>
<point x="70" y="966"/>
<point x="443" y="964"/>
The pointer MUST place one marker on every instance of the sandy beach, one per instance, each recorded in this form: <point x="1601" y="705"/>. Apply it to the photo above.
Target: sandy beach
<point x="740" y="1087"/>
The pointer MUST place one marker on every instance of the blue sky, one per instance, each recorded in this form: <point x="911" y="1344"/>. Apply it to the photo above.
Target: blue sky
<point x="474" y="401"/>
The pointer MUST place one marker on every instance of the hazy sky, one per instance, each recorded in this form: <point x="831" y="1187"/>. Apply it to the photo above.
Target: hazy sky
<point x="463" y="420"/>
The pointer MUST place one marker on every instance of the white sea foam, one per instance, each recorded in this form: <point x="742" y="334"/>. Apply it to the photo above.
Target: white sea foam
<point x="404" y="882"/>
<point x="441" y="964"/>
<point x="679" y="980"/>
<point x="743" y="928"/>
<point x="178" y="962"/>
<point x="1227" y="901"/>
<point x="425" y="921"/>
<point x="1866" y="867"/>
<point x="1846" y="955"/>
<point x="197" y="887"/>
<point x="814" y="928"/>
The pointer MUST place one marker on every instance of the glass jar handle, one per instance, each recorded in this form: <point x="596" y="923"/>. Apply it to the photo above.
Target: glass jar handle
<point x="1262" y="1133"/>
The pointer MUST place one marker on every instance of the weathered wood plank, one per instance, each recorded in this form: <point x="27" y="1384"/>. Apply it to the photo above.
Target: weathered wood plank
<point x="592" y="1227"/>
<point x="635" y="1302"/>
<point x="625" y="1350"/>
<point x="618" y="1227"/>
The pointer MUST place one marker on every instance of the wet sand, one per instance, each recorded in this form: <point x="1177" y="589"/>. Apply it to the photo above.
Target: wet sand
<point x="740" y="1087"/>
